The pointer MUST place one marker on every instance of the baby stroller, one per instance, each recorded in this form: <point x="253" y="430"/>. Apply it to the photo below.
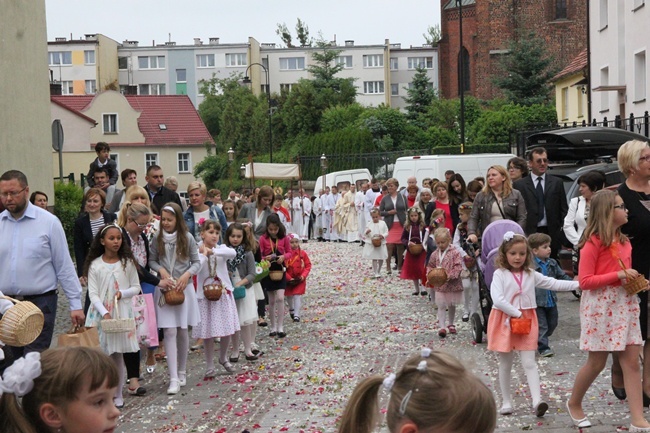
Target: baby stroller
<point x="490" y="242"/>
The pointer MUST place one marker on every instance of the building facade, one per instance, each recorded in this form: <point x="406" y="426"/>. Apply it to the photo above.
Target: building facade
<point x="618" y="65"/>
<point x="571" y="91"/>
<point x="488" y="28"/>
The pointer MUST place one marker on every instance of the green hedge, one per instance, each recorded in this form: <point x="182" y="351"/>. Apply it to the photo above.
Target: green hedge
<point x="68" y="198"/>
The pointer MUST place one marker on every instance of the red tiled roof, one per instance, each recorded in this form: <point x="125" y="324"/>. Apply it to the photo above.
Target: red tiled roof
<point x="577" y="65"/>
<point x="176" y="112"/>
<point x="72" y="110"/>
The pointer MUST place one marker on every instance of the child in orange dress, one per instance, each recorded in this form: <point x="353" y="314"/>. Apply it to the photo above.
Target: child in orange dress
<point x="413" y="266"/>
<point x="298" y="268"/>
<point x="609" y="316"/>
<point x="513" y="296"/>
<point x="450" y="294"/>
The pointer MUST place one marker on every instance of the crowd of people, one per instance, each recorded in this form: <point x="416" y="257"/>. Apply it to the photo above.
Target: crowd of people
<point x="149" y="240"/>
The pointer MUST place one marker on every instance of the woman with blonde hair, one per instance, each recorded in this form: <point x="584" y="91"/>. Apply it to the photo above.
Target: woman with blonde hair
<point x="497" y="201"/>
<point x="201" y="210"/>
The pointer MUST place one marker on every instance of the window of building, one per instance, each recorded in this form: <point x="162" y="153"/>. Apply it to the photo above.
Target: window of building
<point x="373" y="87"/>
<point x="236" y="59"/>
<point x="181" y="75"/>
<point x="422" y="62"/>
<point x="346" y="61"/>
<point x="89" y="57"/>
<point x="286" y="87"/>
<point x="292" y="63"/>
<point x="463" y="76"/>
<point x="580" y="98"/>
<point x="91" y="87"/>
<point x="205" y="60"/>
<point x="152" y="89"/>
<point x="639" y="76"/>
<point x="394" y="64"/>
<point x="67" y="88"/>
<point x="373" y="61"/>
<point x="394" y="89"/>
<point x="560" y="10"/>
<point x="123" y="63"/>
<point x="150" y="159"/>
<point x="265" y="62"/>
<point x="604" y="96"/>
<point x="604" y="12"/>
<point x="184" y="163"/>
<point x="565" y="103"/>
<point x="60" y="58"/>
<point x="151" y="62"/>
<point x="109" y="122"/>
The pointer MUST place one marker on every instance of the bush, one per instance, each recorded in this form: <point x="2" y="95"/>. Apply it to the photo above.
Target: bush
<point x="68" y="198"/>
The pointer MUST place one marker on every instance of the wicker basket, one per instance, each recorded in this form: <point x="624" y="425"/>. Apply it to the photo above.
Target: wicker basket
<point x="437" y="277"/>
<point x="117" y="326"/>
<point x="416" y="248"/>
<point x="633" y="285"/>
<point x="276" y="275"/>
<point x="174" y="297"/>
<point x="212" y="289"/>
<point x="21" y="324"/>
<point x="376" y="241"/>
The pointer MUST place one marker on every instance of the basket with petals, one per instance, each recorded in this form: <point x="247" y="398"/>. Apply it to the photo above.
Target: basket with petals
<point x="437" y="277"/>
<point x="415" y="247"/>
<point x="376" y="240"/>
<point x="212" y="288"/>
<point x="21" y="324"/>
<point x="633" y="285"/>
<point x="116" y="326"/>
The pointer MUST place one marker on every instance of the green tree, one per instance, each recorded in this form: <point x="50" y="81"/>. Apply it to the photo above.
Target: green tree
<point x="387" y="125"/>
<point x="285" y="34"/>
<point x="302" y="33"/>
<point x="420" y="94"/>
<point x="432" y="36"/>
<point x="526" y="72"/>
<point x="341" y="117"/>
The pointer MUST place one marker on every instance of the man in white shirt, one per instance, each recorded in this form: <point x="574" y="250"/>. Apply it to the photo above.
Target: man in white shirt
<point x="360" y="204"/>
<point x="296" y="213"/>
<point x="327" y="218"/>
<point x="410" y="181"/>
<point x="306" y="211"/>
<point x="35" y="257"/>
<point x="317" y="209"/>
<point x="331" y="202"/>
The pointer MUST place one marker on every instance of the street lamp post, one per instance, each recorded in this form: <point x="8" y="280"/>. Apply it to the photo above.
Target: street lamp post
<point x="247" y="80"/>
<point x="231" y="158"/>
<point x="323" y="168"/>
<point x="461" y="76"/>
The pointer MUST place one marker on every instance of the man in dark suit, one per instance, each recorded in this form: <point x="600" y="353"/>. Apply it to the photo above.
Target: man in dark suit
<point x="158" y="194"/>
<point x="545" y="199"/>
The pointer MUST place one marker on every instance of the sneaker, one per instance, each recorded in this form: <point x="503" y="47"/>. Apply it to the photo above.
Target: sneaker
<point x="442" y="333"/>
<point x="546" y="353"/>
<point x="182" y="378"/>
<point x="174" y="387"/>
<point x="466" y="317"/>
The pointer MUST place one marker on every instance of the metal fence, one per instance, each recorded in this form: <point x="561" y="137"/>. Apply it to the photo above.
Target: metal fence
<point x="640" y="125"/>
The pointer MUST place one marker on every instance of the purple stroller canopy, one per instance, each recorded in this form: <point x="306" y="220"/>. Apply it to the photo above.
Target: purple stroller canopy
<point x="492" y="239"/>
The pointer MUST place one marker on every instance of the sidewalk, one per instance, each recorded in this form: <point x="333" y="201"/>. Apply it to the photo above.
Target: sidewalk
<point x="353" y="327"/>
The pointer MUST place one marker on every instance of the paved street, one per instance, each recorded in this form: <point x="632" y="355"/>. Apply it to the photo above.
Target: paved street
<point x="352" y="327"/>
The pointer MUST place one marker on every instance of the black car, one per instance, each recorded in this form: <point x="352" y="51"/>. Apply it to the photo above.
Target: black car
<point x="569" y="173"/>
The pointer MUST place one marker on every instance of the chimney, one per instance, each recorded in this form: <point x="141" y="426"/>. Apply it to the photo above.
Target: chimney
<point x="197" y="41"/>
<point x="268" y="45"/>
<point x="128" y="43"/>
<point x="60" y="39"/>
<point x="91" y="37"/>
<point x="214" y="41"/>
<point x="170" y="44"/>
<point x="349" y="43"/>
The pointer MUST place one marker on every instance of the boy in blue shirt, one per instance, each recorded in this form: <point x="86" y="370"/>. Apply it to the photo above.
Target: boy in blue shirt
<point x="547" y="312"/>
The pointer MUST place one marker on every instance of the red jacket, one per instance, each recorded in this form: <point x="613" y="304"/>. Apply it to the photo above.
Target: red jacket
<point x="298" y="266"/>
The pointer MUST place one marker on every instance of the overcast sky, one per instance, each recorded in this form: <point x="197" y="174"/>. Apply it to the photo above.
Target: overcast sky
<point x="364" y="21"/>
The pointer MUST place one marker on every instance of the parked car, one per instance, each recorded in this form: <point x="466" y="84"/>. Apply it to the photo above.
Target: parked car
<point x="569" y="173"/>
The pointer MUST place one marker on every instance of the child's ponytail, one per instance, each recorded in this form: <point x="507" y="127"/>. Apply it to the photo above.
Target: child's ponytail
<point x="360" y="415"/>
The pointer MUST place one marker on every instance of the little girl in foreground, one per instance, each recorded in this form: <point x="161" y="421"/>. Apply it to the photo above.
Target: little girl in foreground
<point x="68" y="389"/>
<point x="298" y="269"/>
<point x="609" y="317"/>
<point x="218" y="318"/>
<point x="413" y="266"/>
<point x="433" y="392"/>
<point x="513" y="295"/>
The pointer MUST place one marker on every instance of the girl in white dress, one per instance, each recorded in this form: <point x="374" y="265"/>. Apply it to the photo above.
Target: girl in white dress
<point x="112" y="273"/>
<point x="376" y="228"/>
<point x="218" y="318"/>
<point x="242" y="272"/>
<point x="174" y="255"/>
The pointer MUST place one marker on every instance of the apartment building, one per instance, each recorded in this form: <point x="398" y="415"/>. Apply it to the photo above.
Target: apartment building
<point x="83" y="66"/>
<point x="618" y="66"/>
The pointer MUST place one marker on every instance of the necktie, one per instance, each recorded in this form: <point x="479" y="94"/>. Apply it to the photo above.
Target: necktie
<point x="539" y="192"/>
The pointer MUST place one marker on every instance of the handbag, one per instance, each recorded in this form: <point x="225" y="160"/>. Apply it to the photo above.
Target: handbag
<point x="520" y="325"/>
<point x="146" y="326"/>
<point x="79" y="336"/>
<point x="239" y="292"/>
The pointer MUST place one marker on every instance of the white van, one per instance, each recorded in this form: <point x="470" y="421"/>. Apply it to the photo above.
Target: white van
<point x="346" y="177"/>
<point x="469" y="166"/>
